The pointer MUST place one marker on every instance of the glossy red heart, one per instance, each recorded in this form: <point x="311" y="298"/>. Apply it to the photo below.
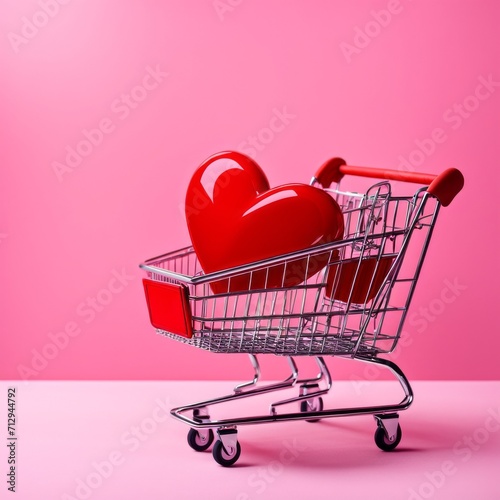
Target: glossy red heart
<point x="235" y="218"/>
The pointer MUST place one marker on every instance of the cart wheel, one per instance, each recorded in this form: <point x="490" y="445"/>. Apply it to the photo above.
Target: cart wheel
<point x="383" y="442"/>
<point x="200" y="441"/>
<point x="226" y="459"/>
<point x="308" y="405"/>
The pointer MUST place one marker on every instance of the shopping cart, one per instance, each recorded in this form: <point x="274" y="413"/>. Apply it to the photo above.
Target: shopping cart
<point x="354" y="307"/>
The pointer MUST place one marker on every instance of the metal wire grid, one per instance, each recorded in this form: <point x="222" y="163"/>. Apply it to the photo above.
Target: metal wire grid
<point x="305" y="319"/>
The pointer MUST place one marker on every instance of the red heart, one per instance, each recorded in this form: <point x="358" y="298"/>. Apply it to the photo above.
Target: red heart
<point x="235" y="218"/>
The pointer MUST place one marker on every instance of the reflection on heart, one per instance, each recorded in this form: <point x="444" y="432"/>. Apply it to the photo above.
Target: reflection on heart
<point x="235" y="218"/>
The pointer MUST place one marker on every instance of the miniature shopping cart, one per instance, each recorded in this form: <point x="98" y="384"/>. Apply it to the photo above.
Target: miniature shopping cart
<point x="354" y="307"/>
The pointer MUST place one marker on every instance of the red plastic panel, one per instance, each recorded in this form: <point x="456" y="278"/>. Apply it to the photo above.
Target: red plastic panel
<point x="168" y="306"/>
<point x="368" y="273"/>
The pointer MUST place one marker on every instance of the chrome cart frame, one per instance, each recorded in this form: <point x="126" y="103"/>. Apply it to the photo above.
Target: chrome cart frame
<point x="354" y="307"/>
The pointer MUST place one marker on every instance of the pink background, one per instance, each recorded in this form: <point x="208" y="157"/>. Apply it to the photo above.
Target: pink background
<point x="128" y="447"/>
<point x="61" y="239"/>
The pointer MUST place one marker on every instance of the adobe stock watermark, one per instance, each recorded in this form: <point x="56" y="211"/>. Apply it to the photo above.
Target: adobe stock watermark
<point x="88" y="310"/>
<point x="223" y="7"/>
<point x="121" y="108"/>
<point x="453" y="117"/>
<point x="419" y="321"/>
<point x="130" y="441"/>
<point x="31" y="26"/>
<point x="217" y="179"/>
<point x="364" y="36"/>
<point x="259" y="481"/>
<point x="3" y="236"/>
<point x="465" y="448"/>
<point x="256" y="143"/>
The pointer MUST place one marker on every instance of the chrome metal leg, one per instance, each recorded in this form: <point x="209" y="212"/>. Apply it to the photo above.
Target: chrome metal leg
<point x="256" y="368"/>
<point x="309" y="388"/>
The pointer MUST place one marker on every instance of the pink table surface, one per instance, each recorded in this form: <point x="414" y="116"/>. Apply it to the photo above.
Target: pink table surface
<point x="115" y="440"/>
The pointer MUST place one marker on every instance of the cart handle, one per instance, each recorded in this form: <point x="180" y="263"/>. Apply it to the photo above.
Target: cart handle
<point x="444" y="186"/>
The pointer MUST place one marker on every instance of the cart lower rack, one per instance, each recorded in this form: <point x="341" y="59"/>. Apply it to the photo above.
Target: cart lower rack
<point x="353" y="307"/>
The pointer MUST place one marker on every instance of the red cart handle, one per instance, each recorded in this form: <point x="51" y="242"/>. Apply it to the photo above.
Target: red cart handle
<point x="444" y="186"/>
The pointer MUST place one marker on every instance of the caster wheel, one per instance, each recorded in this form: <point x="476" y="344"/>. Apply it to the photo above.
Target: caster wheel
<point x="315" y="404"/>
<point x="383" y="443"/>
<point x="226" y="459"/>
<point x="200" y="441"/>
